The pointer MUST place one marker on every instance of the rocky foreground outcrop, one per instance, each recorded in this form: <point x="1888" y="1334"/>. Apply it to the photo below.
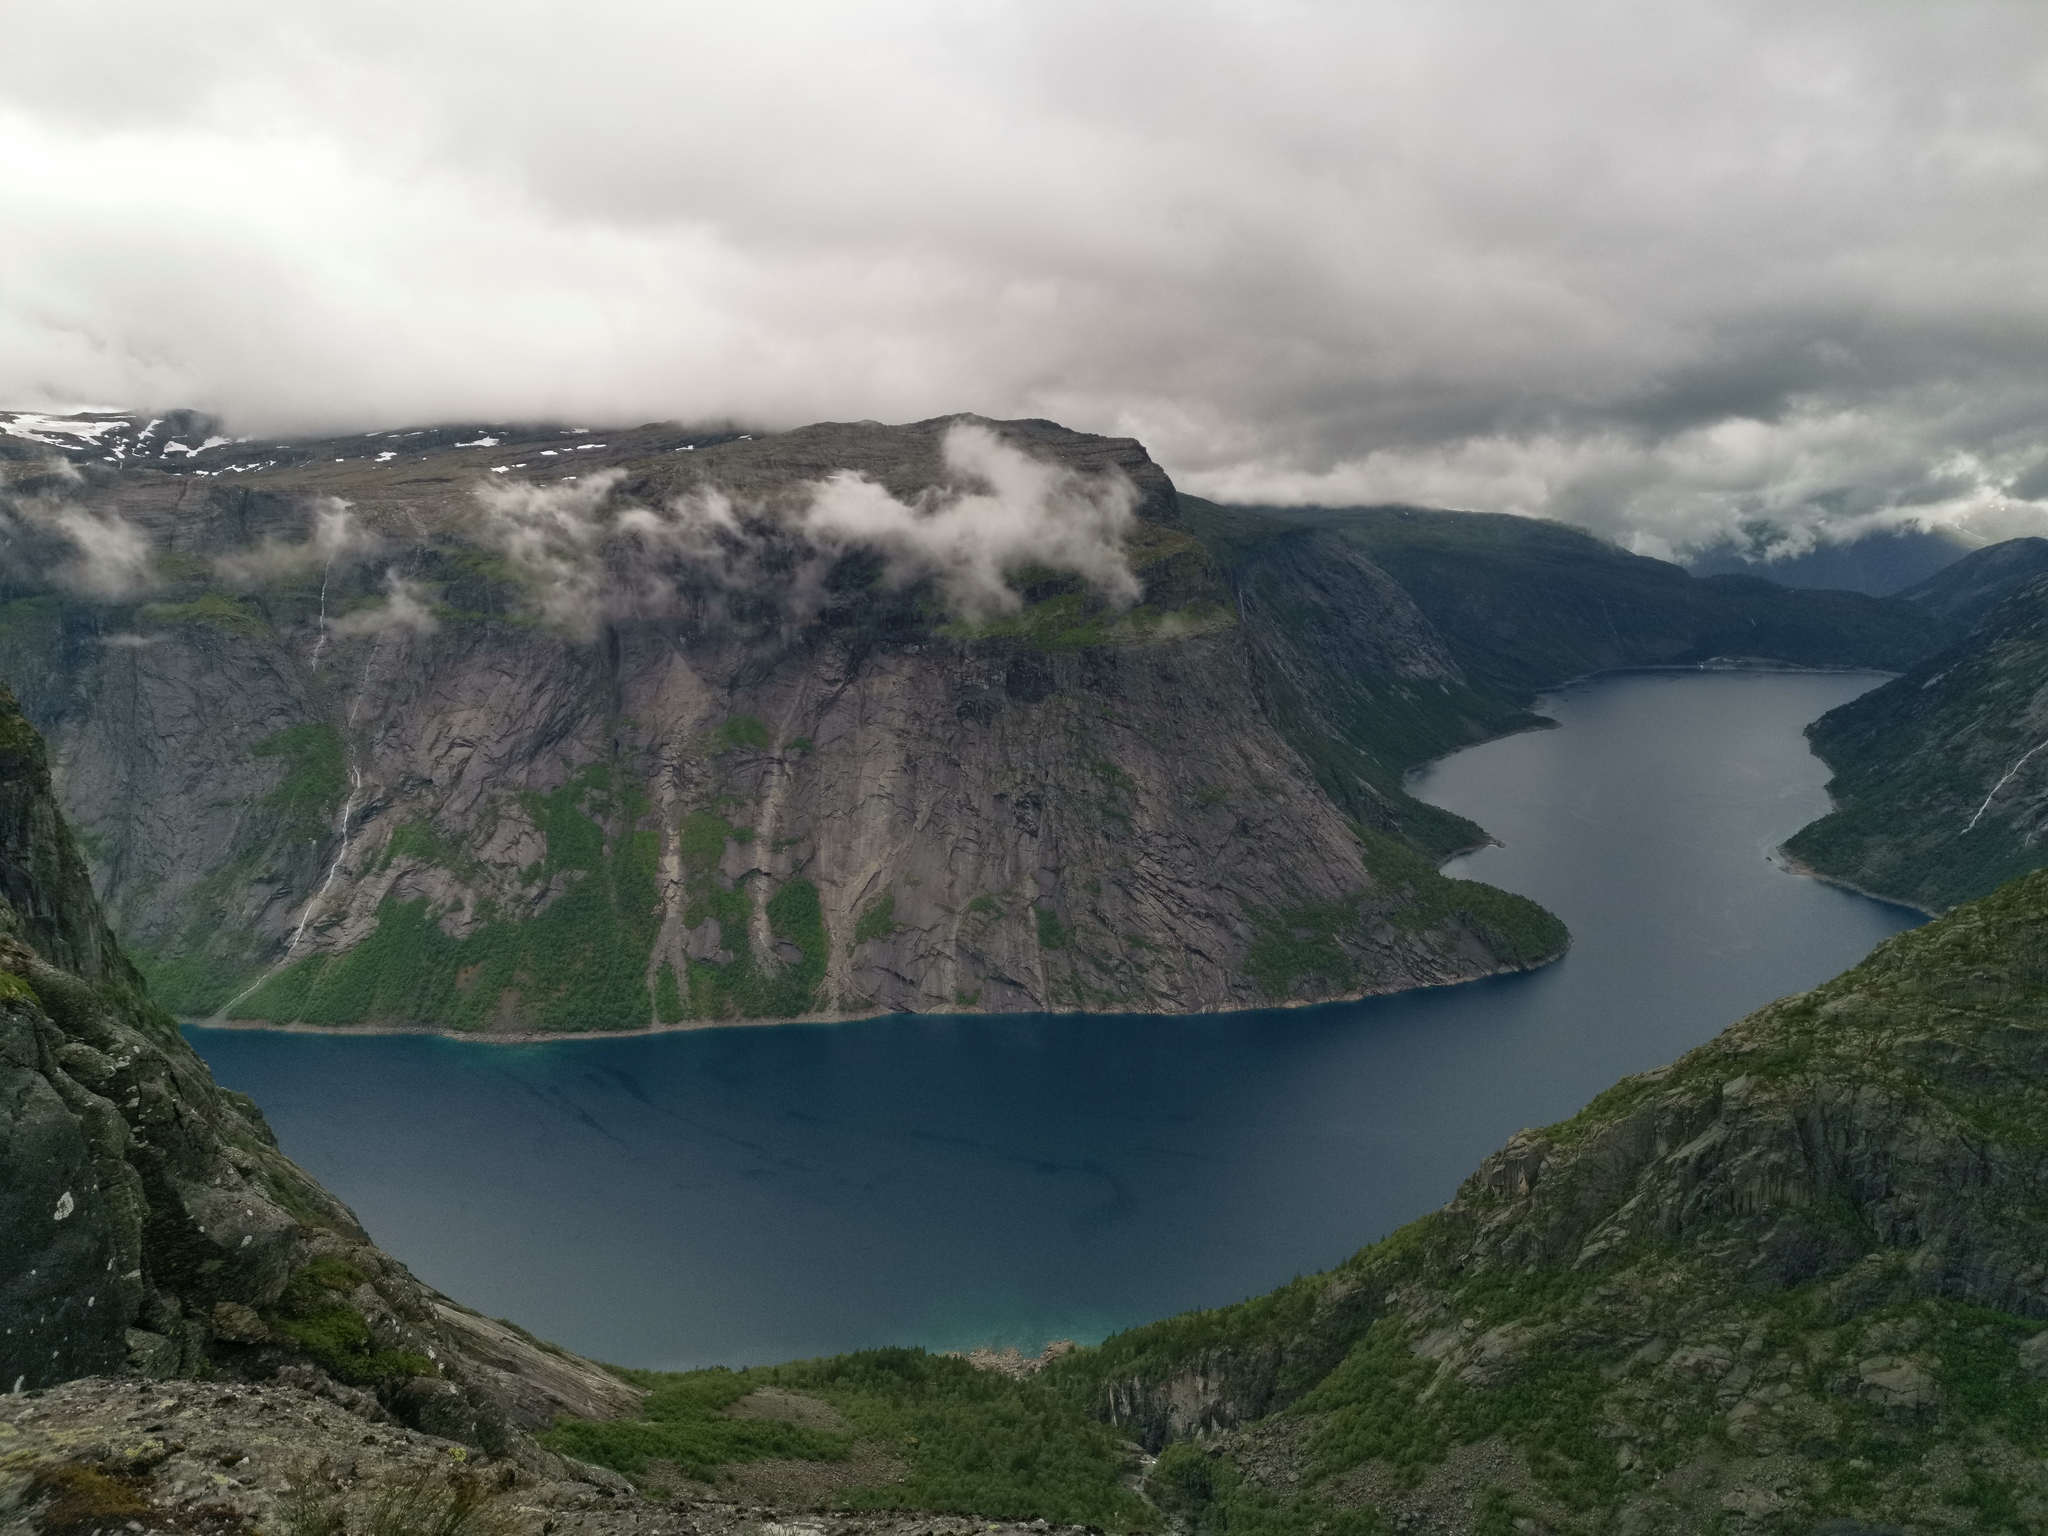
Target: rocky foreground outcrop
<point x="1799" y="1276"/>
<point x="149" y="1224"/>
<point x="237" y="1460"/>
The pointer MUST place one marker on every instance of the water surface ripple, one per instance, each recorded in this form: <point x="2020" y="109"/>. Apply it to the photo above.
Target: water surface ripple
<point x="748" y="1195"/>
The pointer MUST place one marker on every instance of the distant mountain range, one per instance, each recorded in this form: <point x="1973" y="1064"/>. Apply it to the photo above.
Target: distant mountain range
<point x="1882" y="564"/>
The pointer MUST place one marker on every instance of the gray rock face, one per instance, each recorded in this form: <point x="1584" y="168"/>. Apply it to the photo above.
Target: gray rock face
<point x="147" y="1220"/>
<point x="736" y="801"/>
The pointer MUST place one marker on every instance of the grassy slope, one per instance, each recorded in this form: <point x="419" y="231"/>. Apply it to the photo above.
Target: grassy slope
<point x="1915" y="759"/>
<point x="973" y="1442"/>
<point x="1797" y="1271"/>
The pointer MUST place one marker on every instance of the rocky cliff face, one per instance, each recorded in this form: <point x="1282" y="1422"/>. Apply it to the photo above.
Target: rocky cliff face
<point x="148" y="1222"/>
<point x="1941" y="776"/>
<point x="651" y="743"/>
<point x="1795" y="1277"/>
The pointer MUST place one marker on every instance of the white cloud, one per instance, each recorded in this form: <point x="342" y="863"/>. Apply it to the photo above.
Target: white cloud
<point x="585" y="560"/>
<point x="1033" y="512"/>
<point x="1650" y="268"/>
<point x="552" y="536"/>
<point x="336" y="538"/>
<point x="406" y="606"/>
<point x="113" y="558"/>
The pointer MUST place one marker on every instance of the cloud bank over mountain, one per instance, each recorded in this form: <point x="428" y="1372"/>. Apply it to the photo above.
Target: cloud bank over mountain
<point x="1676" y="274"/>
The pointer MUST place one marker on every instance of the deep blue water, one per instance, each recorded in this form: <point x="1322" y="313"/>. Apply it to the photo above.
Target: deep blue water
<point x="756" y="1194"/>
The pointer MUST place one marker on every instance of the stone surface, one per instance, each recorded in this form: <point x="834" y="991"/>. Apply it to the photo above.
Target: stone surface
<point x="148" y="1221"/>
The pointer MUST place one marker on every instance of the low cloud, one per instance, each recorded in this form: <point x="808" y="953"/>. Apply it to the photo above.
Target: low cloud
<point x="584" y="561"/>
<point x="112" y="557"/>
<point x="552" y="535"/>
<point x="1669" y="272"/>
<point x="1772" y="489"/>
<point x="336" y="538"/>
<point x="407" y="607"/>
<point x="1033" y="512"/>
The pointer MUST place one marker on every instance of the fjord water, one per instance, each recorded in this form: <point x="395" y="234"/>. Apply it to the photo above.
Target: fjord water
<point x="756" y="1194"/>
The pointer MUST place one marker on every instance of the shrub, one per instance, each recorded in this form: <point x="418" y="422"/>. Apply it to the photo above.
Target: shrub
<point x="877" y="919"/>
<point x="1052" y="933"/>
<point x="741" y="731"/>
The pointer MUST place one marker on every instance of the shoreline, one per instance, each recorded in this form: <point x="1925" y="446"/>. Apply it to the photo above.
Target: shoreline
<point x="1799" y="867"/>
<point x="555" y="1037"/>
<point x="1539" y="723"/>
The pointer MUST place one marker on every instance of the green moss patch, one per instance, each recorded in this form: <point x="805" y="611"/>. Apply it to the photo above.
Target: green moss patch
<point x="877" y="919"/>
<point x="741" y="731"/>
<point x="973" y="1442"/>
<point x="1052" y="933"/>
<point x="212" y="610"/>
<point x="314" y="1311"/>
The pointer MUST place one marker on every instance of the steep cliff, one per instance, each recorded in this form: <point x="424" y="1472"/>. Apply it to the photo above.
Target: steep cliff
<point x="658" y="740"/>
<point x="1941" y="776"/>
<point x="148" y="1222"/>
<point x="1794" y="1278"/>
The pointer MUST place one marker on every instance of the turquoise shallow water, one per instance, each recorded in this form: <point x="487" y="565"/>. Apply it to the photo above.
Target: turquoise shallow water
<point x="745" y="1195"/>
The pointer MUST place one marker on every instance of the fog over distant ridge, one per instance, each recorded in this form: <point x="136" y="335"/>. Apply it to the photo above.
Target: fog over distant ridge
<point x="1676" y="273"/>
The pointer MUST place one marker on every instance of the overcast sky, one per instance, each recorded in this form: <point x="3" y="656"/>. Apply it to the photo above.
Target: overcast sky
<point x="1667" y="270"/>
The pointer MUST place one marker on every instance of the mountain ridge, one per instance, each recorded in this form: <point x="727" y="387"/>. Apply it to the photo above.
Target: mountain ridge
<point x="619" y="742"/>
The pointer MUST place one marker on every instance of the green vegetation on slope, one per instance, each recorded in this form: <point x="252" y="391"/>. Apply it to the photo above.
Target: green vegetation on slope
<point x="1936" y="798"/>
<point x="970" y="1442"/>
<point x="1315" y="944"/>
<point x="748" y="985"/>
<point x="1349" y="673"/>
<point x="877" y="919"/>
<point x="315" y="1312"/>
<point x="315" y="776"/>
<point x="1795" y="1274"/>
<point x="578" y="964"/>
<point x="213" y="610"/>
